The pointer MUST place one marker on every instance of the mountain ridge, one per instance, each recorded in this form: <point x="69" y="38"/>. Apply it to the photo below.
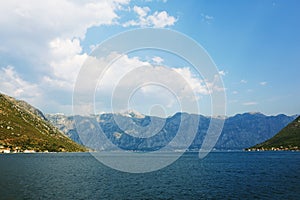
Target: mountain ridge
<point x="23" y="127"/>
<point x="240" y="131"/>
<point x="287" y="138"/>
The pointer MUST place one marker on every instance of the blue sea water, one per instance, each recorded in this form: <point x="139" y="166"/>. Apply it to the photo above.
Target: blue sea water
<point x="220" y="175"/>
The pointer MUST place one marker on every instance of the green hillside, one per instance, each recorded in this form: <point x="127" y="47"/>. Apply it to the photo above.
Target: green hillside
<point x="23" y="127"/>
<point x="287" y="139"/>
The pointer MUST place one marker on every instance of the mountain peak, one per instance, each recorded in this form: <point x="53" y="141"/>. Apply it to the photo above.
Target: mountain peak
<point x="255" y="113"/>
<point x="132" y="113"/>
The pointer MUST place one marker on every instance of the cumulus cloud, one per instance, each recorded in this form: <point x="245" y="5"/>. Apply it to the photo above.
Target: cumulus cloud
<point x="28" y="26"/>
<point x="141" y="11"/>
<point x="196" y="84"/>
<point x="67" y="59"/>
<point x="11" y="83"/>
<point x="125" y="70"/>
<point x="157" y="60"/>
<point x="157" y="19"/>
<point x="130" y="80"/>
<point x="44" y="37"/>
<point x="58" y="17"/>
<point x="49" y="33"/>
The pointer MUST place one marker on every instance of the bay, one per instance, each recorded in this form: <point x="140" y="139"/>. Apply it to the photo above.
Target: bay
<point x="220" y="175"/>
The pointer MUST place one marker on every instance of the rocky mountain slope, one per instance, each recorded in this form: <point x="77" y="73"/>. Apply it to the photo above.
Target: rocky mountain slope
<point x="23" y="127"/>
<point x="287" y="139"/>
<point x="239" y="132"/>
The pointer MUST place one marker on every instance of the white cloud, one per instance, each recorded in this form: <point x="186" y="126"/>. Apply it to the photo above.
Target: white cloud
<point x="64" y="48"/>
<point x="250" y="103"/>
<point x="157" y="60"/>
<point x="58" y="17"/>
<point x="46" y="34"/>
<point x="12" y="84"/>
<point x="197" y="85"/>
<point x="28" y="26"/>
<point x="45" y="38"/>
<point x="207" y="18"/>
<point x="235" y="92"/>
<point x="153" y="85"/>
<point x="141" y="11"/>
<point x="157" y="19"/>
<point x="243" y="81"/>
<point x="115" y="73"/>
<point x="222" y="73"/>
<point x="67" y="59"/>
<point x="263" y="83"/>
<point x="161" y="19"/>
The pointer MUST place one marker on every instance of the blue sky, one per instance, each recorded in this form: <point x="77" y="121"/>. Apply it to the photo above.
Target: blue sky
<point x="255" y="45"/>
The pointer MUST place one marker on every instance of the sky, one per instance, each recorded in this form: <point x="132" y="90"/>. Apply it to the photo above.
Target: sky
<point x="255" y="46"/>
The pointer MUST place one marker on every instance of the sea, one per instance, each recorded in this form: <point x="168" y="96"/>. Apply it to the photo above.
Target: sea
<point x="220" y="175"/>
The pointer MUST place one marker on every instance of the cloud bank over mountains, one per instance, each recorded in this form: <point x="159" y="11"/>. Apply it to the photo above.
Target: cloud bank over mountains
<point x="41" y="44"/>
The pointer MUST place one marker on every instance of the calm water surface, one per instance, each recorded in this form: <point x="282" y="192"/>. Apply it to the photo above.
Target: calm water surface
<point x="221" y="175"/>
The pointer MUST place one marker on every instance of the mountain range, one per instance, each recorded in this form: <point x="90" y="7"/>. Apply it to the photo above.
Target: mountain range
<point x="134" y="131"/>
<point x="23" y="127"/>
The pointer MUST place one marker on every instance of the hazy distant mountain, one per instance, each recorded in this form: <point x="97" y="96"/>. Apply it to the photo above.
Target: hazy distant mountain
<point x="239" y="132"/>
<point x="23" y="127"/>
<point x="245" y="130"/>
<point x="287" y="139"/>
